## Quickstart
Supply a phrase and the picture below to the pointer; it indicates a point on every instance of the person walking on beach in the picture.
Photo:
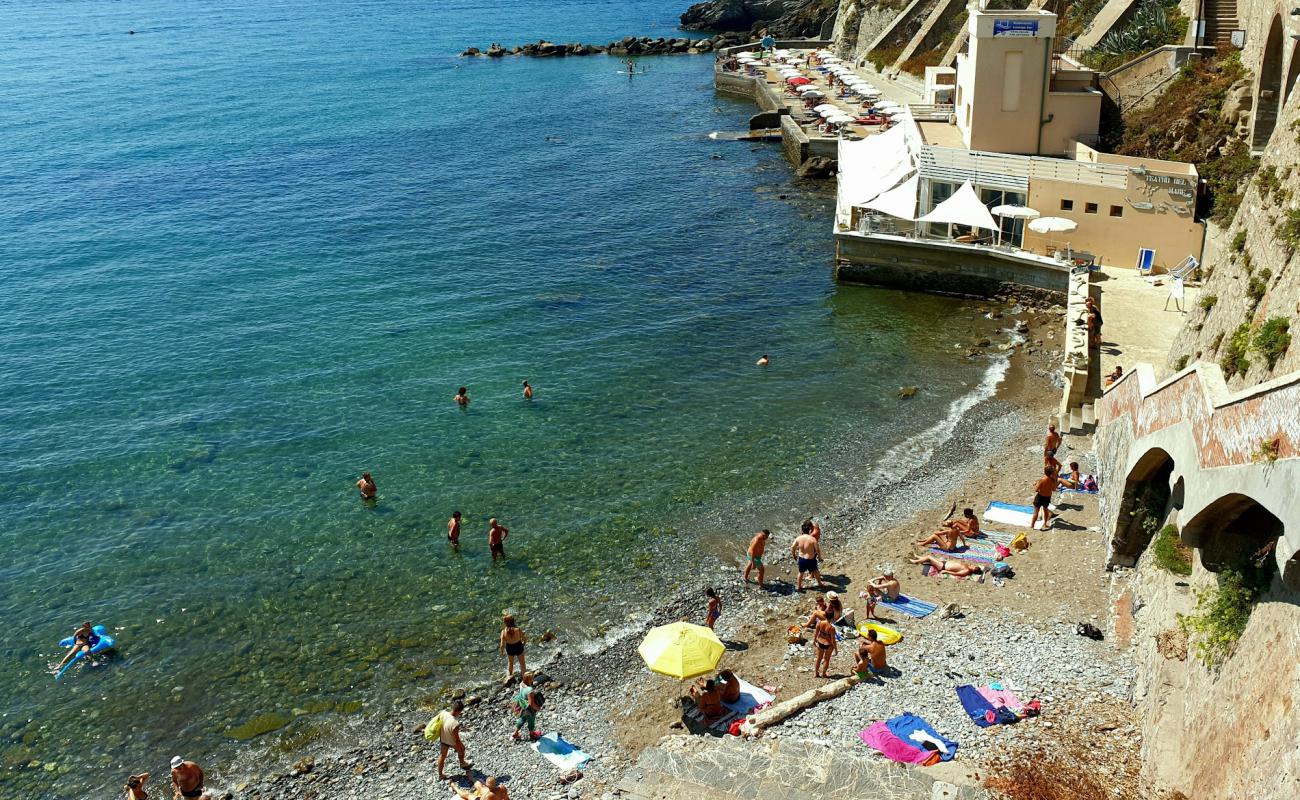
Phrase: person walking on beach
(1053, 441)
(453, 530)
(497, 538)
(757, 546)
(715, 607)
(528, 391)
(1043, 498)
(135, 787)
(462, 397)
(528, 701)
(824, 644)
(367, 487)
(806, 550)
(512, 645)
(449, 738)
(187, 778)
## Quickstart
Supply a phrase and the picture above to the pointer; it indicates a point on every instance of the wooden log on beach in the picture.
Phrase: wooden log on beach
(780, 712)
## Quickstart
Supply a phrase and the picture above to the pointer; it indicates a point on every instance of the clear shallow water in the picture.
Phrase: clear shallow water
(253, 250)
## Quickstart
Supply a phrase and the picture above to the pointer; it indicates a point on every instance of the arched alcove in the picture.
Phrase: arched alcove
(1143, 507)
(1292, 73)
(1234, 532)
(1269, 90)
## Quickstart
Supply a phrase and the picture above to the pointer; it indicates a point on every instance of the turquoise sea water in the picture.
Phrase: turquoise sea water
(254, 248)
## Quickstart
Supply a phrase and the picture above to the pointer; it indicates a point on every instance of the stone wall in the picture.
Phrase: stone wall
(1264, 255)
(859, 22)
(919, 266)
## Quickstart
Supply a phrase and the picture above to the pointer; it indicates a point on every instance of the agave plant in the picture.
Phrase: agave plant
(1150, 26)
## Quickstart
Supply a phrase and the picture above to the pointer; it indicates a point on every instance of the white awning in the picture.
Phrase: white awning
(871, 166)
(899, 201)
(963, 208)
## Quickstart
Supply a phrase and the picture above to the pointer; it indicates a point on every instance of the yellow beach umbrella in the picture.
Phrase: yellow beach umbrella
(681, 650)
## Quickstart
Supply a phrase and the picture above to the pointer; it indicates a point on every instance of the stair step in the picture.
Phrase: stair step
(1089, 414)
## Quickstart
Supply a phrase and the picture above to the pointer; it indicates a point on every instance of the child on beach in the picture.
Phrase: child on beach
(715, 607)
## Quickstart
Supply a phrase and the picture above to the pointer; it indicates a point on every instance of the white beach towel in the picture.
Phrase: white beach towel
(1008, 514)
(562, 754)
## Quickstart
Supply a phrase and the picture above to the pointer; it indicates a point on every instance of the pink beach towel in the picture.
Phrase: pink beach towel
(1002, 698)
(879, 738)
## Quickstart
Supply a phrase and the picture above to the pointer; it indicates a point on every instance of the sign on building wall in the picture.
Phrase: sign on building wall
(1163, 193)
(1015, 27)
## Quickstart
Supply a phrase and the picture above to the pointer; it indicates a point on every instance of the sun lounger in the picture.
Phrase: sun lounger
(1146, 260)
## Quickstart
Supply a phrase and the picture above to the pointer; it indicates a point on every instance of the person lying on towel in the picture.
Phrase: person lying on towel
(949, 566)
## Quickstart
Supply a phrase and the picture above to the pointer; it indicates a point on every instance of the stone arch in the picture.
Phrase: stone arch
(1269, 89)
(1143, 507)
(1292, 73)
(1230, 531)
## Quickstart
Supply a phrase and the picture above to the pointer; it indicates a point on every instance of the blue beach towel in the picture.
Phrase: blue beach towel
(981, 711)
(915, 731)
(559, 752)
(910, 606)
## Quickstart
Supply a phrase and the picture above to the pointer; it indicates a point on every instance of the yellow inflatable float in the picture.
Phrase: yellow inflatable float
(885, 634)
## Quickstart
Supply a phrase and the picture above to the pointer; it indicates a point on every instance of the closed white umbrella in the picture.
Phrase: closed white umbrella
(1052, 225)
(1015, 212)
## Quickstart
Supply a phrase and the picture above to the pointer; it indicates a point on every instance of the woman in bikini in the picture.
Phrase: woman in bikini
(950, 566)
(824, 643)
(715, 606)
(135, 787)
(512, 645)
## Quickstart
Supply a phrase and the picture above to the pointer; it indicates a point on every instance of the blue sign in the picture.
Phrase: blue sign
(1015, 27)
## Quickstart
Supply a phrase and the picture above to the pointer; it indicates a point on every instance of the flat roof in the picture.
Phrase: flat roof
(940, 134)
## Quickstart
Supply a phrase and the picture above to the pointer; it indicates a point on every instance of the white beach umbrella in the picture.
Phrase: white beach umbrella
(840, 119)
(884, 105)
(808, 91)
(746, 54)
(824, 107)
(781, 52)
(827, 113)
(1052, 225)
(1015, 212)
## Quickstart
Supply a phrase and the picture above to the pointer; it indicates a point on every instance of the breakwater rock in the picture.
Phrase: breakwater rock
(627, 46)
(782, 18)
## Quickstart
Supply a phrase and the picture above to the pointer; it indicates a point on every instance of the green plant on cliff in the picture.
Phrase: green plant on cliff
(1239, 241)
(1154, 24)
(1207, 301)
(1171, 554)
(1272, 339)
(1186, 124)
(1076, 18)
(1234, 361)
(1288, 230)
(1222, 613)
(1257, 287)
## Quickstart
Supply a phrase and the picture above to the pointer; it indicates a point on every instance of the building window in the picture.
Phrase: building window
(1067, 205)
(1011, 75)
(1117, 211)
(1090, 208)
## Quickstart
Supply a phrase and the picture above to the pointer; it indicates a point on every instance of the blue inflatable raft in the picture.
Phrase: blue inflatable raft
(100, 641)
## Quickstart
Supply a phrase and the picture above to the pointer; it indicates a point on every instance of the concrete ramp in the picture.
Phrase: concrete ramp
(941, 9)
(1110, 14)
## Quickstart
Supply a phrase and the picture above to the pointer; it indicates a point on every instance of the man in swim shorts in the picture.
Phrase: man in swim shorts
(453, 529)
(187, 778)
(1053, 441)
(367, 486)
(806, 550)
(497, 538)
(871, 657)
(948, 566)
(1043, 498)
(757, 546)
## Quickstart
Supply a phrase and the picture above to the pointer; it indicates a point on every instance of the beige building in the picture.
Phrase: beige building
(1014, 136)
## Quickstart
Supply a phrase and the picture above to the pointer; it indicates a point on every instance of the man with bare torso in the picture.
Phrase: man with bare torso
(367, 487)
(453, 530)
(951, 533)
(497, 538)
(1053, 441)
(187, 778)
(483, 790)
(806, 550)
(1043, 499)
(757, 546)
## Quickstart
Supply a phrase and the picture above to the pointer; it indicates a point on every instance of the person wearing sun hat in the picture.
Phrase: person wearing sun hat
(187, 778)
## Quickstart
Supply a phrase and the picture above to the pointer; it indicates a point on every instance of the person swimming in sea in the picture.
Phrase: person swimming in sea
(762, 362)
(462, 397)
(367, 487)
(528, 391)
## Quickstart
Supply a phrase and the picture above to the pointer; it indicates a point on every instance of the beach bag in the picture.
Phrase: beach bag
(1089, 483)
(433, 731)
(1020, 543)
(1003, 551)
(1002, 570)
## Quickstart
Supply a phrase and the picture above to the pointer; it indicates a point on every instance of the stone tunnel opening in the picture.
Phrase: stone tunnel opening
(1144, 506)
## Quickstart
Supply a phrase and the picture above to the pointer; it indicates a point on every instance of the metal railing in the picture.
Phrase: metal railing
(931, 112)
(1012, 172)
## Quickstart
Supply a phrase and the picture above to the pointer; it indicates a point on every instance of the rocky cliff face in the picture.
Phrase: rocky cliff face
(783, 18)
(1250, 307)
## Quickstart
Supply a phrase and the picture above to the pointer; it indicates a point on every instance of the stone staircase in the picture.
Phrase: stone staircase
(1220, 22)
(1080, 420)
(710, 768)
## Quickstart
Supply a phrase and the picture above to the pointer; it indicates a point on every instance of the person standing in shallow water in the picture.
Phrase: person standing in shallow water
(528, 391)
(497, 538)
(462, 397)
(512, 646)
(757, 546)
(367, 487)
(453, 530)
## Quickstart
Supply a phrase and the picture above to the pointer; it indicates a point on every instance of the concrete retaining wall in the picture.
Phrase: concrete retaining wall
(917, 266)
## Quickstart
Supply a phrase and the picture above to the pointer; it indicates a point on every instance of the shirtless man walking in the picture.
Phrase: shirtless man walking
(1043, 499)
(1052, 443)
(757, 546)
(497, 538)
(453, 530)
(806, 550)
(187, 778)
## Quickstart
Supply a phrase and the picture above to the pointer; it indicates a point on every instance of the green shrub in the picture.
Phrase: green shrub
(1288, 230)
(1218, 340)
(1171, 554)
(1207, 301)
(1222, 614)
(1258, 286)
(1234, 361)
(1155, 23)
(1239, 241)
(1272, 339)
(1180, 364)
(1269, 183)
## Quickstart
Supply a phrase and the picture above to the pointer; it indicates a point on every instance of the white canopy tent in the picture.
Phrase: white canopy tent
(900, 201)
(963, 208)
(870, 167)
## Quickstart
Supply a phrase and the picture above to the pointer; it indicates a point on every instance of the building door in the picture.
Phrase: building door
(1013, 230)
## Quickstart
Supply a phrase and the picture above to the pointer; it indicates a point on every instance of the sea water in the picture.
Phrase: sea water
(252, 250)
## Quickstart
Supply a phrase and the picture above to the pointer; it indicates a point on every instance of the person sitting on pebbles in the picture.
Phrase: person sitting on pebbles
(948, 566)
(488, 789)
(708, 699)
(730, 686)
(883, 585)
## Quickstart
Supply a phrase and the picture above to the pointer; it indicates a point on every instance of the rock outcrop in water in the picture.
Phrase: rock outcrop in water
(627, 46)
